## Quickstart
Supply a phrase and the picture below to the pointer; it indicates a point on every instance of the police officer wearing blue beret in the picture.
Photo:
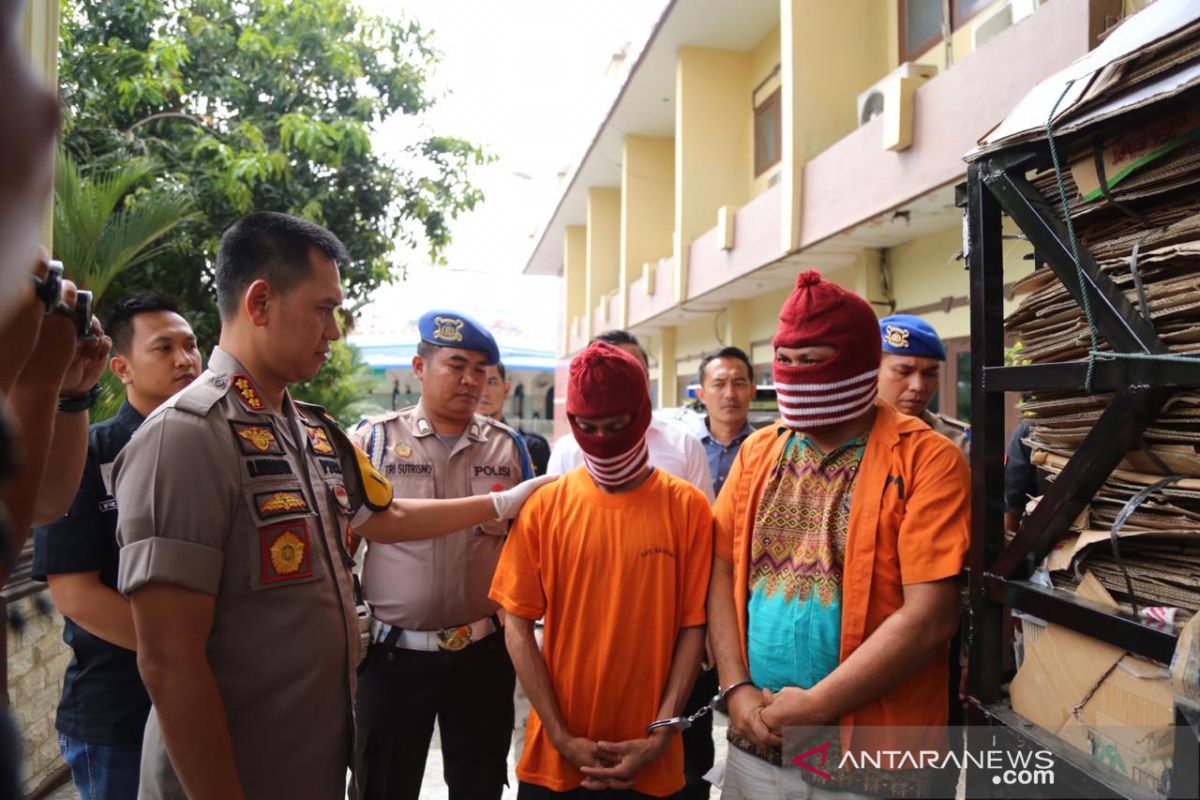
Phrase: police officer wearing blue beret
(437, 650)
(909, 373)
(911, 369)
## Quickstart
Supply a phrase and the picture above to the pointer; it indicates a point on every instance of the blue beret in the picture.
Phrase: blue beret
(452, 329)
(906, 335)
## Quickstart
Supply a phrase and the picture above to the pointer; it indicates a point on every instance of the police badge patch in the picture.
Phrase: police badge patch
(279, 503)
(318, 440)
(285, 552)
(897, 336)
(448, 329)
(256, 438)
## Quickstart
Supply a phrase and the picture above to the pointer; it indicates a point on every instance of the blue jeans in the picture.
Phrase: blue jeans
(102, 771)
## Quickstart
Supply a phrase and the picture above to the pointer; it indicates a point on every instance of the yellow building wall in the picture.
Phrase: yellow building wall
(764, 60)
(647, 207)
(574, 280)
(713, 129)
(603, 247)
(925, 272)
(694, 339)
(831, 51)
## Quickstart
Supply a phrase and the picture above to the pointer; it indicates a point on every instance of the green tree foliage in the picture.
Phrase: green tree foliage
(342, 386)
(262, 105)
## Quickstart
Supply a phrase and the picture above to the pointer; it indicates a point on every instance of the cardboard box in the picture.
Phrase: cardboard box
(1098, 698)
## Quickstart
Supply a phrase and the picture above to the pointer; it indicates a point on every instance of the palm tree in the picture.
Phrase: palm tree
(107, 223)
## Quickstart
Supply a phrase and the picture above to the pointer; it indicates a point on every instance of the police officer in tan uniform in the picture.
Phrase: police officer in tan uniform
(437, 648)
(236, 503)
(913, 355)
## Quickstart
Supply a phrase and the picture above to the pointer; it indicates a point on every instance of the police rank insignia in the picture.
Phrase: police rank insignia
(448, 329)
(247, 393)
(318, 440)
(256, 438)
(275, 504)
(403, 451)
(897, 336)
(285, 552)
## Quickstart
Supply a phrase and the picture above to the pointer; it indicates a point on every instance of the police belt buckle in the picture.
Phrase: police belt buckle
(455, 639)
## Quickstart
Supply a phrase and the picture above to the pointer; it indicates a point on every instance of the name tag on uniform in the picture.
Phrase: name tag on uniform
(408, 470)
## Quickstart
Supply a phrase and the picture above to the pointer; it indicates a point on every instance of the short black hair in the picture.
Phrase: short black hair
(120, 322)
(617, 338)
(503, 372)
(727, 352)
(425, 349)
(273, 247)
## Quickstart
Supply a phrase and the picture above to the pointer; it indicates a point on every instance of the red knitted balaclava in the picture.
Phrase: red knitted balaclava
(819, 396)
(605, 382)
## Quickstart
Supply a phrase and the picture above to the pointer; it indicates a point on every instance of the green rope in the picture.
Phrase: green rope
(1148, 356)
(1094, 352)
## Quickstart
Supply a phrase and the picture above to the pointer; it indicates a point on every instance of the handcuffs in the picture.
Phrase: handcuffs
(681, 724)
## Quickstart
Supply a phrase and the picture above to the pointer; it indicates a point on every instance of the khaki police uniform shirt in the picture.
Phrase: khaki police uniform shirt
(438, 583)
(953, 429)
(221, 496)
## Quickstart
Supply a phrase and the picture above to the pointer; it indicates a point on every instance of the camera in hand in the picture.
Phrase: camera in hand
(49, 288)
(83, 314)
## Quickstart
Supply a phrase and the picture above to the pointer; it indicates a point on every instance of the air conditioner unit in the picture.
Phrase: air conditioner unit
(1002, 19)
(892, 99)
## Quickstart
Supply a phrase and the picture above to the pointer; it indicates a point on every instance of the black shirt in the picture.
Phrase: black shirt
(539, 450)
(1020, 476)
(103, 699)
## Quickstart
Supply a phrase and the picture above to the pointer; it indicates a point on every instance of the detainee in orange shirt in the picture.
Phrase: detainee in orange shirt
(615, 557)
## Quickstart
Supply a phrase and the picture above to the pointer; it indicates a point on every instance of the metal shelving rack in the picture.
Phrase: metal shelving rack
(998, 570)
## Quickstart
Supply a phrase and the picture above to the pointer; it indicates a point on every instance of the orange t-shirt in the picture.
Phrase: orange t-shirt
(615, 577)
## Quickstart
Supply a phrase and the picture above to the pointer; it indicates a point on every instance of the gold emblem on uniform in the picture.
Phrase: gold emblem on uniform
(403, 451)
(897, 336)
(247, 393)
(284, 554)
(261, 438)
(448, 329)
(318, 440)
(281, 502)
(287, 553)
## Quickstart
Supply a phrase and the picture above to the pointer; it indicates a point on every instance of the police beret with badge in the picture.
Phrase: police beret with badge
(906, 335)
(451, 329)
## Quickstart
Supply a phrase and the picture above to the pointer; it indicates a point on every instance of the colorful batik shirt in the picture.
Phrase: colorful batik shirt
(796, 556)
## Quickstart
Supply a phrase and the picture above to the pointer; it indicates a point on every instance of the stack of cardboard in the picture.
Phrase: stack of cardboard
(1126, 124)
(1128, 134)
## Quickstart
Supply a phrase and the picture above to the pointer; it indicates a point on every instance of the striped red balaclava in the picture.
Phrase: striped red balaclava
(607, 382)
(817, 397)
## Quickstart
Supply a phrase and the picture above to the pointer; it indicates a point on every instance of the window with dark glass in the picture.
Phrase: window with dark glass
(768, 133)
(920, 26)
(921, 22)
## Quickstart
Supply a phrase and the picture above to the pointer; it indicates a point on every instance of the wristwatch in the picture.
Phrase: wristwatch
(718, 701)
(72, 405)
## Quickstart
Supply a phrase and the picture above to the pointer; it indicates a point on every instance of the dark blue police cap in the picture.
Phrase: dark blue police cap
(452, 329)
(906, 335)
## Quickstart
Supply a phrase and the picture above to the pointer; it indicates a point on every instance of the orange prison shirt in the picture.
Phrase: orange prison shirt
(615, 577)
(909, 523)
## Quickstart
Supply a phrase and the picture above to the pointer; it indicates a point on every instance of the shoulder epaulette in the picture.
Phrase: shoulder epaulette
(204, 393)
